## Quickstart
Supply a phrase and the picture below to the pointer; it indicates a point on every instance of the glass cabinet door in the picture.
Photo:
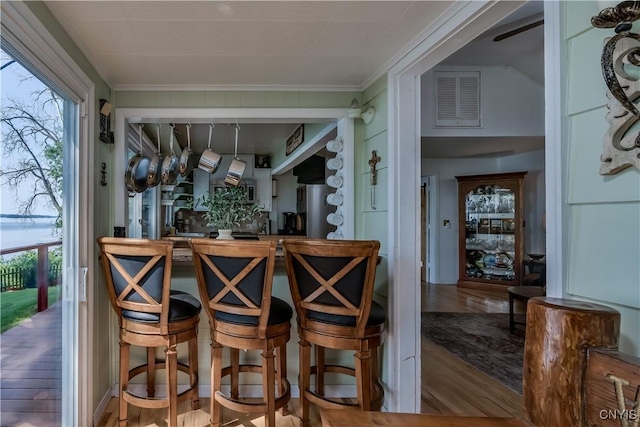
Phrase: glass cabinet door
(490, 233)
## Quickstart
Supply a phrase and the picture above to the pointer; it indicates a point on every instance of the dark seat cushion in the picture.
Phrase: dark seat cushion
(182, 306)
(377, 316)
(280, 312)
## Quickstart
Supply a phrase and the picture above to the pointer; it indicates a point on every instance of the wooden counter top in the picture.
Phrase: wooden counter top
(182, 252)
(349, 418)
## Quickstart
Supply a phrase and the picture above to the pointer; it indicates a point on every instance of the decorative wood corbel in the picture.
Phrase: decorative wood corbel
(621, 146)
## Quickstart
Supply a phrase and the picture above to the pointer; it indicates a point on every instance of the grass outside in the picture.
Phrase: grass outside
(15, 306)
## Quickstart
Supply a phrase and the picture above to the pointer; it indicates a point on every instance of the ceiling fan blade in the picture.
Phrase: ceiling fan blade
(518, 30)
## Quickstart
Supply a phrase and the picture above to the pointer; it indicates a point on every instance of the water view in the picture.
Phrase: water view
(21, 232)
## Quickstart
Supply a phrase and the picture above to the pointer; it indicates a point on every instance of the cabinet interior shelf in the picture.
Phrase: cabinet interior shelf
(489, 231)
(490, 210)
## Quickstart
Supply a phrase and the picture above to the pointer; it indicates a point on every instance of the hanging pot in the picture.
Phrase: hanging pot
(135, 177)
(170, 164)
(210, 161)
(186, 162)
(155, 164)
(237, 168)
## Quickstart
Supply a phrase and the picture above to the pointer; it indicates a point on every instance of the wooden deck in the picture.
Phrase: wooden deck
(31, 371)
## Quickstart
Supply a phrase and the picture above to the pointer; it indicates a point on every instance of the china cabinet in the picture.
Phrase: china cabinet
(490, 223)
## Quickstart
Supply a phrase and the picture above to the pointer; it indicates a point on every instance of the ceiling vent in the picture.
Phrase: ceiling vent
(457, 98)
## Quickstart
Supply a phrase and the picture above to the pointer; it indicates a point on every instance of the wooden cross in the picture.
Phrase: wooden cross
(372, 164)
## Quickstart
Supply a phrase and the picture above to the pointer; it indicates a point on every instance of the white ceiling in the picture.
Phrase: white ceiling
(341, 44)
(336, 45)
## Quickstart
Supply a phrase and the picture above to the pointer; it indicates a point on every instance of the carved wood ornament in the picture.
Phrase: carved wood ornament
(621, 145)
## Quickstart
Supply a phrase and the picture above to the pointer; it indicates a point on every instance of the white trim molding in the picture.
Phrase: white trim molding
(403, 86)
(556, 131)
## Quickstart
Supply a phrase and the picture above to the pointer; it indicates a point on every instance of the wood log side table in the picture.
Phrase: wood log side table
(521, 293)
(559, 331)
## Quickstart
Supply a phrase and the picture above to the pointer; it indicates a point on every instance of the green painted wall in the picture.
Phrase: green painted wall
(603, 213)
(103, 206)
(373, 223)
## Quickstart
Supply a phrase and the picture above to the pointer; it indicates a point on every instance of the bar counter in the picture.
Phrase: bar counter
(182, 251)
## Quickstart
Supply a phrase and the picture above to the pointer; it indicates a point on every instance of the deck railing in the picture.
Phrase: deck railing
(43, 271)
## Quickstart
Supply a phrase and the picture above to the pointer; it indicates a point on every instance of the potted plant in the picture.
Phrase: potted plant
(227, 207)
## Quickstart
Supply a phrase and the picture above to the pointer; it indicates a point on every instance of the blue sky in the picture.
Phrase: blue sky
(12, 86)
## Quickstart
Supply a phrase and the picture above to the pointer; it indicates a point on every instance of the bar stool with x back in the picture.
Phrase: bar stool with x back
(235, 280)
(331, 284)
(138, 275)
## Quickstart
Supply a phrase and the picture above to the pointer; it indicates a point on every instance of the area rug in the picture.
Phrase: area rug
(482, 340)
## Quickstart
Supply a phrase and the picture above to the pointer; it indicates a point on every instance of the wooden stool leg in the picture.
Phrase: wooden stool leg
(268, 385)
(304, 380)
(374, 366)
(124, 382)
(151, 371)
(193, 371)
(281, 356)
(235, 369)
(171, 365)
(320, 370)
(216, 379)
(363, 379)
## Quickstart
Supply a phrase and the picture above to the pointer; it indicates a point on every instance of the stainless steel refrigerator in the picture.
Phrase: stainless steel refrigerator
(312, 204)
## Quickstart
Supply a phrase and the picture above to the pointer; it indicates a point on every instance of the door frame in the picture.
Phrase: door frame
(25, 33)
(403, 86)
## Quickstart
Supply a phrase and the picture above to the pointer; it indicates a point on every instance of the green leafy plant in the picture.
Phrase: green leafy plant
(227, 207)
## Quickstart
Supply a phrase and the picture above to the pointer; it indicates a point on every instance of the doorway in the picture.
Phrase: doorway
(403, 85)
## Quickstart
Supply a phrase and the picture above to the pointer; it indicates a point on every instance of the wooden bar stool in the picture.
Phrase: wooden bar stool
(331, 283)
(235, 280)
(138, 275)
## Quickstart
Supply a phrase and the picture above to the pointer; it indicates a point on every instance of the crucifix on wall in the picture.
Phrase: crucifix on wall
(374, 177)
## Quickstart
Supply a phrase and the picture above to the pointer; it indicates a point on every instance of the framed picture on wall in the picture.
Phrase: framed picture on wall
(295, 139)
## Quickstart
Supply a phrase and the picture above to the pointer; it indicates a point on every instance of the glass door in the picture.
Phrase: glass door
(490, 233)
(40, 363)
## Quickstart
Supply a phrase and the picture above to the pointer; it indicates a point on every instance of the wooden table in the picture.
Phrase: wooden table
(357, 418)
(521, 293)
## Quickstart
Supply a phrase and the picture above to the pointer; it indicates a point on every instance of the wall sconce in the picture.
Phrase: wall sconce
(621, 147)
(356, 112)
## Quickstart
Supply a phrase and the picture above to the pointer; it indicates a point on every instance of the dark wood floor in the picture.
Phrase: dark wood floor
(31, 371)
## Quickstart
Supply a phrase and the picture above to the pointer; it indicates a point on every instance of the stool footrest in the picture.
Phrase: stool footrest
(324, 402)
(251, 407)
(335, 369)
(253, 369)
(158, 402)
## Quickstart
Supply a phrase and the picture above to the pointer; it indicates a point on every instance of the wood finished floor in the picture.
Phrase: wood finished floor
(449, 385)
